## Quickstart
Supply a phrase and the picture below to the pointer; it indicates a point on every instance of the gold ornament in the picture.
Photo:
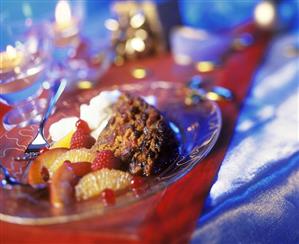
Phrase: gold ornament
(135, 31)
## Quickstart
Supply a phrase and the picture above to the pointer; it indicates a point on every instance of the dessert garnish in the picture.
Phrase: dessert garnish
(108, 197)
(42, 164)
(62, 191)
(95, 182)
(81, 137)
(105, 159)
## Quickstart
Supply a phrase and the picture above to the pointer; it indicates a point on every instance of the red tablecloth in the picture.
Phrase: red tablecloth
(176, 210)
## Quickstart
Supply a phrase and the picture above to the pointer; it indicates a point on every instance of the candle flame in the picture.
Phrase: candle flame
(11, 52)
(10, 59)
(264, 14)
(63, 13)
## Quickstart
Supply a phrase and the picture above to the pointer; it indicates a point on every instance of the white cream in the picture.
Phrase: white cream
(99, 108)
(62, 127)
(97, 114)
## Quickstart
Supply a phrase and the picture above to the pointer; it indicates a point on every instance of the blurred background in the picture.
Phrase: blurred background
(109, 20)
(213, 15)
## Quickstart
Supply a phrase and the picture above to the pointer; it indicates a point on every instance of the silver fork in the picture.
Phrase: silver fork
(40, 141)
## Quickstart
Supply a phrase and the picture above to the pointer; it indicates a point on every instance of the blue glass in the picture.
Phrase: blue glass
(21, 95)
(30, 43)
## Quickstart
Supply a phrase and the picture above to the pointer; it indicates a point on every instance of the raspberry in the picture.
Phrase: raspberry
(108, 196)
(105, 159)
(81, 124)
(81, 139)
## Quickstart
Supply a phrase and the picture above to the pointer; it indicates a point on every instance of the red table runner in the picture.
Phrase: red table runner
(176, 210)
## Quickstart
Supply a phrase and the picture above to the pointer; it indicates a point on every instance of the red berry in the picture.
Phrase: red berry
(105, 159)
(108, 197)
(68, 163)
(137, 182)
(81, 124)
(138, 185)
(81, 139)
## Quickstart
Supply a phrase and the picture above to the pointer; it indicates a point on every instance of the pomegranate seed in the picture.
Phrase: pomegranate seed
(81, 124)
(137, 182)
(68, 163)
(108, 196)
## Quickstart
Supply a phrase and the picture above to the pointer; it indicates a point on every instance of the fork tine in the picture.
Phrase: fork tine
(39, 141)
(27, 156)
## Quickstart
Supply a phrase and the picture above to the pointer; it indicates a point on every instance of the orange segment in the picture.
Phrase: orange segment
(74, 155)
(94, 183)
(62, 190)
(43, 160)
(65, 141)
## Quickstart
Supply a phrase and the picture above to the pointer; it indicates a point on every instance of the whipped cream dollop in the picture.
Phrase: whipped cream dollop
(62, 127)
(97, 114)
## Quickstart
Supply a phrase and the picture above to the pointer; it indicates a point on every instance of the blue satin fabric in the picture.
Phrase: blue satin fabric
(255, 198)
(265, 212)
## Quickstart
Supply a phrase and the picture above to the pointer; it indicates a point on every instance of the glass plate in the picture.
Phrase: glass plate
(197, 128)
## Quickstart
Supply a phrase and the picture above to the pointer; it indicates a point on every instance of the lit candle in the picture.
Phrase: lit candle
(65, 26)
(10, 59)
(63, 16)
(265, 14)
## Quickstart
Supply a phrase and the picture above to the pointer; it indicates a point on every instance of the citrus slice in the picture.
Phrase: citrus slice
(64, 141)
(74, 155)
(94, 183)
(40, 166)
(62, 187)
